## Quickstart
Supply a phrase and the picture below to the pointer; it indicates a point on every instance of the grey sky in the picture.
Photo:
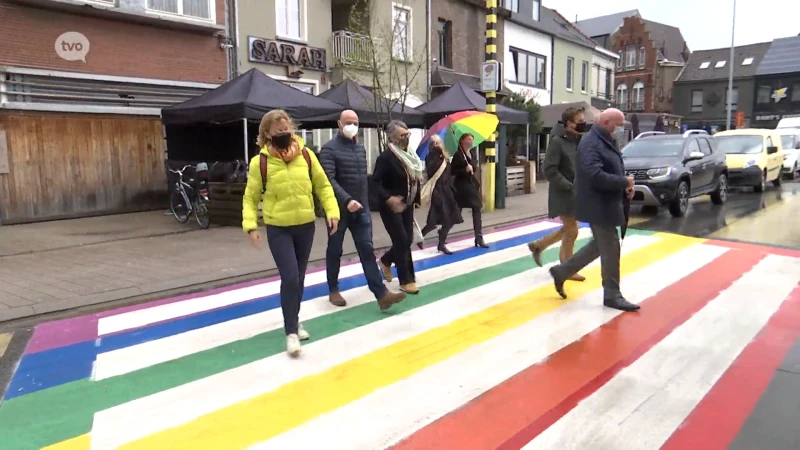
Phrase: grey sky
(705, 24)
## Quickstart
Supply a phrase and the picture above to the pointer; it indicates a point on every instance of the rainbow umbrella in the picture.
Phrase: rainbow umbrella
(450, 128)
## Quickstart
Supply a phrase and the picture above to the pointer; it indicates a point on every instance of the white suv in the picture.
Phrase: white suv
(790, 138)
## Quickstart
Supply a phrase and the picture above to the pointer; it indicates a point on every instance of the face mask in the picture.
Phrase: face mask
(281, 141)
(580, 127)
(403, 142)
(618, 133)
(350, 131)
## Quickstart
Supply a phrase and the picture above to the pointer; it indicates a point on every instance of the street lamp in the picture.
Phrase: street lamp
(730, 69)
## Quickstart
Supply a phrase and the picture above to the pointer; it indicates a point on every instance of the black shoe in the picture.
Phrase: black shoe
(420, 244)
(620, 303)
(444, 249)
(479, 242)
(559, 283)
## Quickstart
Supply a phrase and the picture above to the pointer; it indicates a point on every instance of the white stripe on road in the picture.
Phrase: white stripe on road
(184, 403)
(389, 415)
(129, 359)
(645, 403)
(143, 317)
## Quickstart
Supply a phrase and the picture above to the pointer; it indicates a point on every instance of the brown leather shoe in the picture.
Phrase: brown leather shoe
(385, 270)
(577, 277)
(389, 299)
(536, 252)
(336, 299)
(409, 288)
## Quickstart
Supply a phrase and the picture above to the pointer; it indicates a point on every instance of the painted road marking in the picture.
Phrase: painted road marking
(245, 423)
(644, 404)
(136, 319)
(480, 368)
(5, 339)
(129, 359)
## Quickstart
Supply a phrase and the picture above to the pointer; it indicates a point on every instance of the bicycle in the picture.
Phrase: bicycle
(187, 197)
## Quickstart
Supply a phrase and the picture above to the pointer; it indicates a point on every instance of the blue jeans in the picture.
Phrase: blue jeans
(360, 225)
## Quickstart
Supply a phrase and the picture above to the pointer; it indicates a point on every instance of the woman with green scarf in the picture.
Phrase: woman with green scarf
(396, 182)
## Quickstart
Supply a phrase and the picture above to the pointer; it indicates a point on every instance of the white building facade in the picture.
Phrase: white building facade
(604, 65)
(528, 67)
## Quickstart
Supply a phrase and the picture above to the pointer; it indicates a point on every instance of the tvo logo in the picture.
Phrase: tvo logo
(72, 46)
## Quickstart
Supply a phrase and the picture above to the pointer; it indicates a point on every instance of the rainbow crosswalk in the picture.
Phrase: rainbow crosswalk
(487, 356)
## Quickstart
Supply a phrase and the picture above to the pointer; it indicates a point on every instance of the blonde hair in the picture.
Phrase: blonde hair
(270, 119)
(436, 141)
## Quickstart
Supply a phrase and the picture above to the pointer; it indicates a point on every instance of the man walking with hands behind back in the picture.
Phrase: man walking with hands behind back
(345, 162)
(601, 186)
(559, 167)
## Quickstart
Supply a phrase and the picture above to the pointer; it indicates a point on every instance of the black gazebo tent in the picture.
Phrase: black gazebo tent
(461, 97)
(248, 96)
(372, 109)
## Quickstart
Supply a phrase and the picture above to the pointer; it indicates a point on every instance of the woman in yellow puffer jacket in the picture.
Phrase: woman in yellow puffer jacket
(288, 211)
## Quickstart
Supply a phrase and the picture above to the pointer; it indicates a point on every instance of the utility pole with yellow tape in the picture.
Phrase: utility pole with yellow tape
(491, 75)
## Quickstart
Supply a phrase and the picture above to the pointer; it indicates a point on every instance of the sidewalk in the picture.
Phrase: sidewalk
(125, 259)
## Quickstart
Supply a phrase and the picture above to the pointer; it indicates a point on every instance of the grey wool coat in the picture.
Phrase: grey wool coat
(559, 169)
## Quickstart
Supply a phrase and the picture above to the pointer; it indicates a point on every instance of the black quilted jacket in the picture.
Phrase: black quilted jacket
(345, 162)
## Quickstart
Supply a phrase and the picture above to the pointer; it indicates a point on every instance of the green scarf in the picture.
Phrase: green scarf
(414, 166)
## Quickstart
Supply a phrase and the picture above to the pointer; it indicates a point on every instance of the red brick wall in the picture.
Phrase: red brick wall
(633, 32)
(28, 34)
(469, 42)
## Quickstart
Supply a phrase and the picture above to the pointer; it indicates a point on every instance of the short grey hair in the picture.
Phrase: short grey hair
(393, 127)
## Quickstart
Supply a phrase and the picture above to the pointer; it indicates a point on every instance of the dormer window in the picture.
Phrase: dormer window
(747, 61)
(719, 64)
(705, 65)
(537, 5)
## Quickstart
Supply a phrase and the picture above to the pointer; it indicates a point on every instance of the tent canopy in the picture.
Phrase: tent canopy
(373, 110)
(461, 97)
(248, 96)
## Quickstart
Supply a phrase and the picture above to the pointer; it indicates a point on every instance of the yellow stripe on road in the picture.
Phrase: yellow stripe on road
(5, 339)
(268, 415)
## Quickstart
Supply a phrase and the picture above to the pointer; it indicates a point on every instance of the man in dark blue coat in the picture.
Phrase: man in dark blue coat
(601, 186)
(345, 162)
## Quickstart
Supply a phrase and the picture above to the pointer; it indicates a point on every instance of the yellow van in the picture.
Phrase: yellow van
(754, 156)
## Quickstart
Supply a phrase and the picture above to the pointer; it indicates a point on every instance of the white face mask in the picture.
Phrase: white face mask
(619, 132)
(350, 131)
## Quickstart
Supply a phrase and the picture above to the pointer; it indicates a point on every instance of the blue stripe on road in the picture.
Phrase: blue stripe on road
(54, 367)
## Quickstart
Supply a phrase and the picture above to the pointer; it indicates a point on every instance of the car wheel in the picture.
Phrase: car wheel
(777, 181)
(720, 196)
(763, 185)
(680, 204)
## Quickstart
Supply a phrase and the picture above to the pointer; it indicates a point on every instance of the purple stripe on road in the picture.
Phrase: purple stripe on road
(70, 331)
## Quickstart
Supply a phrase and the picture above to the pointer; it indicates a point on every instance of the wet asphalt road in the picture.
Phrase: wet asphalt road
(769, 218)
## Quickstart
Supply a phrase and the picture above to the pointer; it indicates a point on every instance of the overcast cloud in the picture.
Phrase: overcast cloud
(705, 24)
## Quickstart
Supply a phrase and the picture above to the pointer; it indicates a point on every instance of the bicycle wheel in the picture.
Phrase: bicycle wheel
(201, 212)
(178, 206)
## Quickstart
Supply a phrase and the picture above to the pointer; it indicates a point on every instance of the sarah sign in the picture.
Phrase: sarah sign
(287, 54)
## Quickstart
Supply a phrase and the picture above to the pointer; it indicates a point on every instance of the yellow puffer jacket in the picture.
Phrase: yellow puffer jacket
(288, 200)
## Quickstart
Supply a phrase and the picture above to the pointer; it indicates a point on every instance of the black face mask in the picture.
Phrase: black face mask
(580, 127)
(281, 141)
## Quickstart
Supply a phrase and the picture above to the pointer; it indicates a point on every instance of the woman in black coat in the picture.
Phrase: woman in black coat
(468, 189)
(396, 182)
(444, 209)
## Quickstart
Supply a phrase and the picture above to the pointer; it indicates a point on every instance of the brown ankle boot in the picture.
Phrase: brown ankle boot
(536, 252)
(389, 299)
(409, 288)
(336, 299)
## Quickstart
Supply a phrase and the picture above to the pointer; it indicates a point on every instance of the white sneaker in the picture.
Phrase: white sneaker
(302, 333)
(292, 345)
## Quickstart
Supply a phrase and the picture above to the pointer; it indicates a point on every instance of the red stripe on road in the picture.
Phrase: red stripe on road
(742, 385)
(514, 412)
(780, 251)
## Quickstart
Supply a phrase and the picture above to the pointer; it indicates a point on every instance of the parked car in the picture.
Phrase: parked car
(790, 140)
(755, 156)
(669, 169)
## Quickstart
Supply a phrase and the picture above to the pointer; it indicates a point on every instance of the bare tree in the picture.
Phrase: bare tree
(386, 60)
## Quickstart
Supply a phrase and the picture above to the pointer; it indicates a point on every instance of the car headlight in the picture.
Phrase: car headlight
(752, 162)
(661, 172)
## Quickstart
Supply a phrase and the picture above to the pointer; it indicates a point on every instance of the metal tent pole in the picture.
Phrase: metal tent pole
(246, 153)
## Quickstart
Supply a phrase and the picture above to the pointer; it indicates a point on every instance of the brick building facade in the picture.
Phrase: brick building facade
(84, 137)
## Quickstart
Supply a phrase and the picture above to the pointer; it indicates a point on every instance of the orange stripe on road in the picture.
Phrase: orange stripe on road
(514, 412)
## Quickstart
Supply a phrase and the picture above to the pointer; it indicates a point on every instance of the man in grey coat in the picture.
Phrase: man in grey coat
(601, 186)
(559, 167)
(345, 162)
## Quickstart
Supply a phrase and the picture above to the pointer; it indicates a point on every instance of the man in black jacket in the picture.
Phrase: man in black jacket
(345, 162)
(601, 186)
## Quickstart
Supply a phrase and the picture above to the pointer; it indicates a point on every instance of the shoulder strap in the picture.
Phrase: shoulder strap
(307, 157)
(264, 164)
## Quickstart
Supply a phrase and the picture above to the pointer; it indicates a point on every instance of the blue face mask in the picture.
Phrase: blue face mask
(618, 133)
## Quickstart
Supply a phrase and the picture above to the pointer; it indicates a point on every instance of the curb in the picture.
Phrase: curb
(26, 318)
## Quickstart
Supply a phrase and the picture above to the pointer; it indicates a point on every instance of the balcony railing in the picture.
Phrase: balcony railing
(623, 105)
(603, 95)
(353, 49)
(637, 106)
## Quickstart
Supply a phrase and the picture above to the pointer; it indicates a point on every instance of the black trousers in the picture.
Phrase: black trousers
(443, 232)
(604, 245)
(400, 227)
(291, 248)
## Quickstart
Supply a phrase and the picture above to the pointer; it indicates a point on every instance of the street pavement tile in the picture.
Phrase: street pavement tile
(486, 356)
